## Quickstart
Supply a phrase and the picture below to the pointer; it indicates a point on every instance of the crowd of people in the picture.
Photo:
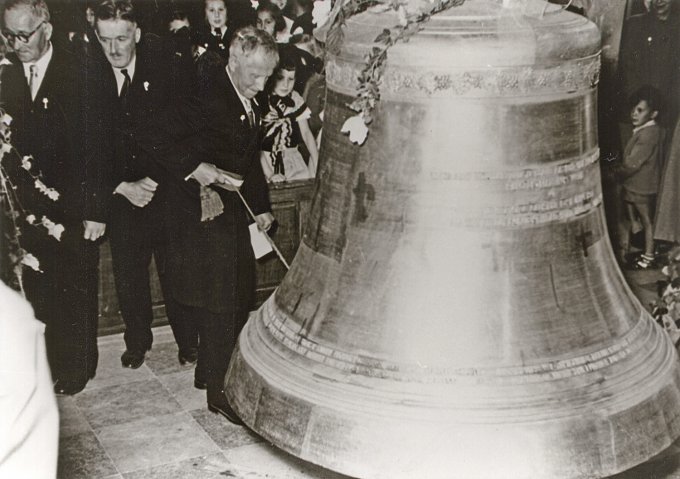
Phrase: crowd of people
(147, 122)
(146, 134)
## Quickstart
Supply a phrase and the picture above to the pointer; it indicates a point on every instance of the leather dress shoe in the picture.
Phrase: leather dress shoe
(132, 359)
(68, 388)
(198, 384)
(220, 405)
(188, 356)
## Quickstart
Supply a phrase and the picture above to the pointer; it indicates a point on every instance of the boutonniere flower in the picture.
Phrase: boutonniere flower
(45, 101)
(243, 118)
(146, 86)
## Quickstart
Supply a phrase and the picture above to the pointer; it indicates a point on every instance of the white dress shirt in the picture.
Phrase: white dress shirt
(118, 73)
(41, 65)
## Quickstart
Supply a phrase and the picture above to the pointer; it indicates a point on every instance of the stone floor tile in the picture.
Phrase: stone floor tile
(71, 419)
(163, 334)
(154, 441)
(110, 372)
(82, 456)
(126, 402)
(269, 461)
(181, 386)
(162, 359)
(225, 434)
(213, 466)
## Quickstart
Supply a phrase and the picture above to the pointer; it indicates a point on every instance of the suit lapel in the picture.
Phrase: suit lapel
(50, 79)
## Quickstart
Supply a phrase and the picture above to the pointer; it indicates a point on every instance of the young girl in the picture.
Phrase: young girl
(215, 36)
(271, 20)
(285, 125)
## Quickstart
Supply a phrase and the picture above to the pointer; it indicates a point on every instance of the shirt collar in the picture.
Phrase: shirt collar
(246, 101)
(649, 123)
(42, 62)
(130, 68)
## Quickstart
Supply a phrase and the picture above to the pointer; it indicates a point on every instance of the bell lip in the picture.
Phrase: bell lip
(260, 383)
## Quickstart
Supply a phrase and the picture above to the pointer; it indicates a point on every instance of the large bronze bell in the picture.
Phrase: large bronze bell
(455, 309)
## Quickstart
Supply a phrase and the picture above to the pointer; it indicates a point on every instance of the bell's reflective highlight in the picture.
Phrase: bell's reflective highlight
(455, 309)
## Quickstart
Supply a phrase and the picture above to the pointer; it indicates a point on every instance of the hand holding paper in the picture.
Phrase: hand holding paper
(228, 180)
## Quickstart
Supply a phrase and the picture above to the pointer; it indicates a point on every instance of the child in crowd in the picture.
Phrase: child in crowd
(284, 121)
(283, 8)
(216, 35)
(642, 160)
(270, 19)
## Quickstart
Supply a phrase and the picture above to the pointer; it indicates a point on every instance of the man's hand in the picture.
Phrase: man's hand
(93, 230)
(264, 221)
(207, 174)
(139, 192)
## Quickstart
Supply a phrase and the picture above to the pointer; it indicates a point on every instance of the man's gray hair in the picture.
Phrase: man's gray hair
(38, 7)
(248, 39)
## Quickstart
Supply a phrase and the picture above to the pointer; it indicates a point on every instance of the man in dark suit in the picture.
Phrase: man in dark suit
(143, 77)
(46, 91)
(211, 266)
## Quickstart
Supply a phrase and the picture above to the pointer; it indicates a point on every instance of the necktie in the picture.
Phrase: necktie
(218, 32)
(126, 84)
(33, 80)
(251, 117)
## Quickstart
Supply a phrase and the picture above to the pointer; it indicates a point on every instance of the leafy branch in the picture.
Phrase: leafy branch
(12, 164)
(369, 79)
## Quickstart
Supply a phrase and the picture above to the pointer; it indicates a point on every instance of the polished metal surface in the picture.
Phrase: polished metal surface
(455, 309)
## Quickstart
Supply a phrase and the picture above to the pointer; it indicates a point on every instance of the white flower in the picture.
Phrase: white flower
(51, 193)
(5, 148)
(356, 128)
(321, 11)
(26, 162)
(243, 118)
(255, 4)
(40, 186)
(31, 261)
(146, 86)
(45, 101)
(30, 219)
(401, 13)
(53, 229)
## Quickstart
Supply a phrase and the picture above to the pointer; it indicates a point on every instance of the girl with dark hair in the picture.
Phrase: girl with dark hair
(285, 127)
(270, 19)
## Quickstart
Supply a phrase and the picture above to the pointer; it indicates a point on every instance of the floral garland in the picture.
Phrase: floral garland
(12, 208)
(411, 21)
(666, 311)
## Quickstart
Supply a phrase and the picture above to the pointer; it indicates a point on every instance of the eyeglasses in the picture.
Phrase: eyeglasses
(22, 37)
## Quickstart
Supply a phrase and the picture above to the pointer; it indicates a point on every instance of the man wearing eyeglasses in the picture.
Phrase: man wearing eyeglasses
(45, 92)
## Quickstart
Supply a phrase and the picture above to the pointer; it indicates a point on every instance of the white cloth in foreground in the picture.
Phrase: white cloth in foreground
(29, 419)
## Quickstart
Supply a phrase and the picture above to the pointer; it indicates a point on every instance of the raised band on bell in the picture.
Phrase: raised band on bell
(455, 308)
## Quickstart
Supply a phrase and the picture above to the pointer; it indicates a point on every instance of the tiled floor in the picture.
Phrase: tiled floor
(151, 423)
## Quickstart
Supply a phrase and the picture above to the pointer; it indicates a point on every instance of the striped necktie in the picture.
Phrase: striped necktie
(33, 80)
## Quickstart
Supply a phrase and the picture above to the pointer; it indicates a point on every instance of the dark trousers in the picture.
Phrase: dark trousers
(136, 235)
(218, 333)
(64, 297)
